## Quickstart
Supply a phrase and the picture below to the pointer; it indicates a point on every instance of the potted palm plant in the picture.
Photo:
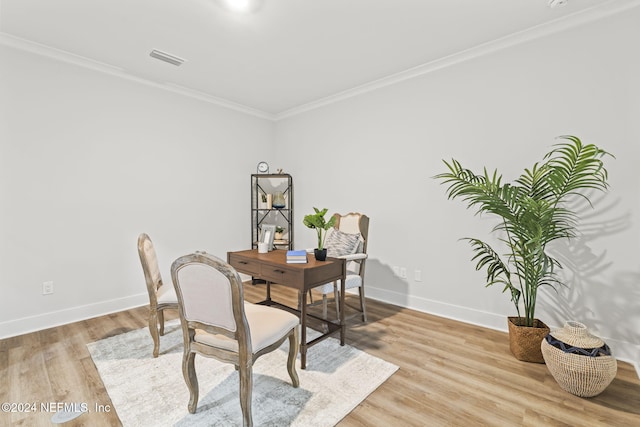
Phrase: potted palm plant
(532, 211)
(317, 222)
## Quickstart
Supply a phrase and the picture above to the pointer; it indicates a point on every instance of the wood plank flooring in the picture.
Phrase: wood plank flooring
(451, 374)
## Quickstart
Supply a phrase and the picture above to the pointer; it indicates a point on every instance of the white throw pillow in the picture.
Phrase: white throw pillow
(340, 244)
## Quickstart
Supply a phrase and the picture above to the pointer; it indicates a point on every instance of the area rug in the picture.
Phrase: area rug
(152, 392)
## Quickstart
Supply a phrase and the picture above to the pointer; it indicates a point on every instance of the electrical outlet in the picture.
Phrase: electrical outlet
(396, 270)
(417, 276)
(403, 273)
(47, 288)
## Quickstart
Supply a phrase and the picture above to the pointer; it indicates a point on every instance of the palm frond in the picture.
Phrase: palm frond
(575, 167)
(484, 192)
(532, 212)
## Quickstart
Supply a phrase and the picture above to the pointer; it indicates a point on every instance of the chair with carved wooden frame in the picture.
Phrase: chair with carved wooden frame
(218, 323)
(354, 226)
(161, 297)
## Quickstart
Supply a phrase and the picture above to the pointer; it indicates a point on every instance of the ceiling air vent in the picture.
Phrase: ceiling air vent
(557, 3)
(166, 57)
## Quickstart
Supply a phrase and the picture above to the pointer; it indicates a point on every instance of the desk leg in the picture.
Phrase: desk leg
(268, 292)
(302, 298)
(343, 325)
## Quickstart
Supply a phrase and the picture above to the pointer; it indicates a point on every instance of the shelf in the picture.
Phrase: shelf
(270, 184)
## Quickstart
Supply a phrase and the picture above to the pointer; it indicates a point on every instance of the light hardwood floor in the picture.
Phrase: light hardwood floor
(451, 374)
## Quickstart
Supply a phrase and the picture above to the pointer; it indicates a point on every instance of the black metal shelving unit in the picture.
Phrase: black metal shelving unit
(265, 184)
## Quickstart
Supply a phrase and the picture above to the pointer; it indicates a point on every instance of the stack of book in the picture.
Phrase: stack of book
(296, 257)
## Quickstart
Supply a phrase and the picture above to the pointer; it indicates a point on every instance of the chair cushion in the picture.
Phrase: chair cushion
(266, 325)
(166, 295)
(353, 281)
(340, 244)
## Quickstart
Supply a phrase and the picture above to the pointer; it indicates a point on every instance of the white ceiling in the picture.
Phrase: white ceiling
(286, 54)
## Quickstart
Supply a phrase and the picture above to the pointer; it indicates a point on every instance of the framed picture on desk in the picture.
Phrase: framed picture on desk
(268, 231)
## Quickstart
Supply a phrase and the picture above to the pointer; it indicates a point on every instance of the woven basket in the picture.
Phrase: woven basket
(581, 363)
(524, 342)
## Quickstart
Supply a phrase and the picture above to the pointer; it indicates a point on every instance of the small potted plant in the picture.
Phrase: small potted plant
(279, 231)
(317, 222)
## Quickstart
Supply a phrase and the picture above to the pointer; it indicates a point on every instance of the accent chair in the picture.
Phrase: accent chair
(218, 323)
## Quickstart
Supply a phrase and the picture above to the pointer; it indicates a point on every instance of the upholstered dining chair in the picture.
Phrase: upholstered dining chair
(218, 323)
(161, 296)
(348, 239)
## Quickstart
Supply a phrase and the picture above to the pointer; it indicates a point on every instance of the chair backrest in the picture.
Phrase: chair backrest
(210, 296)
(354, 223)
(150, 267)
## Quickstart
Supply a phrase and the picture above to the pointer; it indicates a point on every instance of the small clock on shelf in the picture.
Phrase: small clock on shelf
(263, 167)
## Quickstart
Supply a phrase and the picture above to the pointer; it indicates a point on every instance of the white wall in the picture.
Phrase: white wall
(377, 153)
(87, 162)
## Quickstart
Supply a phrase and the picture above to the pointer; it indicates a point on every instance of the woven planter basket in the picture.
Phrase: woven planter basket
(581, 363)
(524, 341)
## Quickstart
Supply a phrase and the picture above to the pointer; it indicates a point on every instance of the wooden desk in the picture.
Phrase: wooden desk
(273, 268)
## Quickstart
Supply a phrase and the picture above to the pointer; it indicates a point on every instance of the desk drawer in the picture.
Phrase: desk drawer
(282, 275)
(244, 265)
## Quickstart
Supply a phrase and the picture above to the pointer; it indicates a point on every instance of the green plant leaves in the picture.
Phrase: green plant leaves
(532, 212)
(317, 222)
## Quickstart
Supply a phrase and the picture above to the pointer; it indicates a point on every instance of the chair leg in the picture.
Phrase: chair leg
(363, 305)
(246, 388)
(161, 321)
(291, 360)
(153, 330)
(190, 378)
(336, 297)
(324, 306)
(325, 328)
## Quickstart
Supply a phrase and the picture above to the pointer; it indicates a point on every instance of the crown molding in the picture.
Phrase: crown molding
(70, 58)
(583, 17)
(586, 16)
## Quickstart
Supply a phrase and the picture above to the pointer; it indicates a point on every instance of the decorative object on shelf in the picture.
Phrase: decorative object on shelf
(580, 362)
(262, 204)
(279, 171)
(268, 232)
(536, 209)
(317, 222)
(279, 231)
(263, 167)
(278, 200)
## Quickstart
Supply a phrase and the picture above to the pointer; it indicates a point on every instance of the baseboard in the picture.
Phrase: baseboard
(437, 308)
(623, 351)
(51, 319)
